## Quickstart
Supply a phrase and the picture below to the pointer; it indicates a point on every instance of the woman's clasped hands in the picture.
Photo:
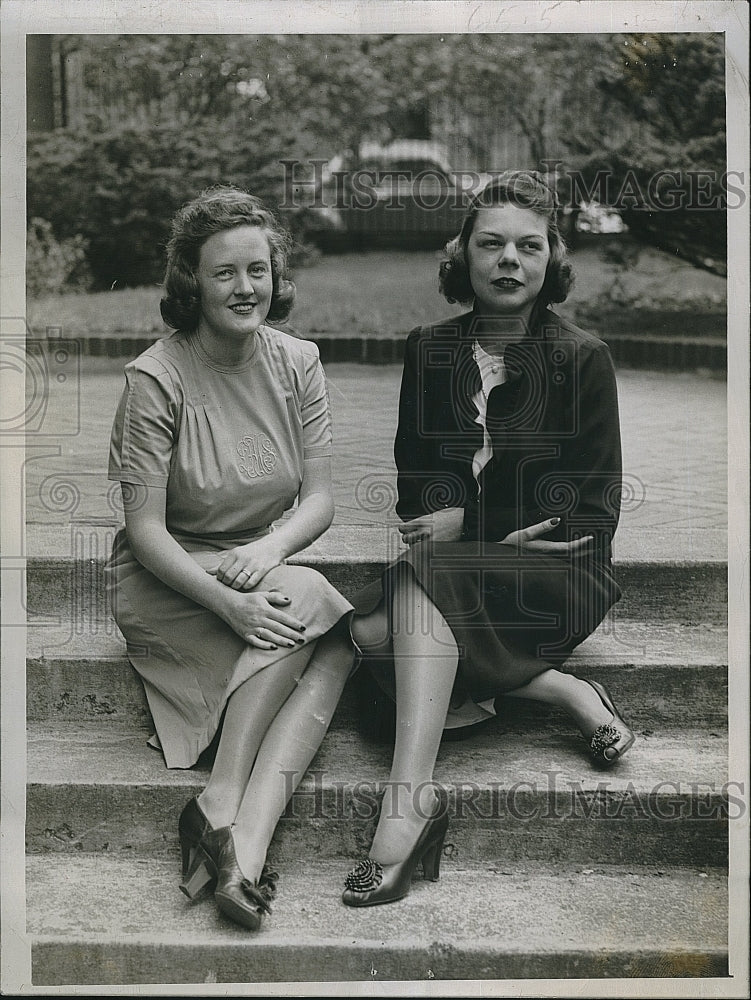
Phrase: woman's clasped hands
(257, 617)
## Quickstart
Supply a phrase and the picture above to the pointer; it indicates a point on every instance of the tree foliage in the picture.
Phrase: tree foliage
(169, 114)
(119, 189)
(672, 84)
(671, 89)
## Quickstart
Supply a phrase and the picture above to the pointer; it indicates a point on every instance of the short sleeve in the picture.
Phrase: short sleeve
(316, 411)
(143, 433)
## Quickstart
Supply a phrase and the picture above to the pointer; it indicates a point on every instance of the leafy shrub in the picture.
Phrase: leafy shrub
(120, 189)
(52, 265)
(694, 228)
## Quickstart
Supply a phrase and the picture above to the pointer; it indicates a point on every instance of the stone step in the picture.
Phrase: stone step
(662, 675)
(98, 919)
(531, 795)
(688, 592)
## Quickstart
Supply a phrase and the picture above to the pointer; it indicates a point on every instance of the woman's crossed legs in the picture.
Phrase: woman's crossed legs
(425, 663)
(274, 724)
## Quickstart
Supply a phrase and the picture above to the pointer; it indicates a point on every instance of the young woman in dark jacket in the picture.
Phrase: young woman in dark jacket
(509, 476)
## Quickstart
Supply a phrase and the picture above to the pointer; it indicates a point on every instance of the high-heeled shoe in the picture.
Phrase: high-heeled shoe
(609, 742)
(237, 897)
(370, 883)
(192, 827)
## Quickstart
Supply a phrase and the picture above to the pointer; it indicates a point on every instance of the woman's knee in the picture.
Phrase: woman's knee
(372, 632)
(311, 579)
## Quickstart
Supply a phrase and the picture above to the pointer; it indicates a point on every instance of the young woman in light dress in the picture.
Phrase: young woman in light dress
(222, 427)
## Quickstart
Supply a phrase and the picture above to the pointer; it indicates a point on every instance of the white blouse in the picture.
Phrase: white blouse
(493, 373)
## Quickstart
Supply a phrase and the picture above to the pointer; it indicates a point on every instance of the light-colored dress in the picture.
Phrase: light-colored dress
(227, 443)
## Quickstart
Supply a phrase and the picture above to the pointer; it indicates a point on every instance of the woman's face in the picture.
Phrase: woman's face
(508, 256)
(234, 281)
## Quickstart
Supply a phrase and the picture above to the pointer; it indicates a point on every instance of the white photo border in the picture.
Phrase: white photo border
(341, 17)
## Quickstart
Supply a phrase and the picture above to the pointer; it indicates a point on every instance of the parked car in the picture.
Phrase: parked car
(403, 193)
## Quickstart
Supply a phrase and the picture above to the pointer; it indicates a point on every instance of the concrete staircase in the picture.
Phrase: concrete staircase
(553, 868)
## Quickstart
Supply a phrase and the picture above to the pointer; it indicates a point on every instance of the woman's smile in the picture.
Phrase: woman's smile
(243, 308)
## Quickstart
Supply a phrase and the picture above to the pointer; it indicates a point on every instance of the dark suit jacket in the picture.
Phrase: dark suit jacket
(554, 427)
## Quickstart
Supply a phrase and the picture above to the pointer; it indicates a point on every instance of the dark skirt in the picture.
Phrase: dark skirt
(513, 613)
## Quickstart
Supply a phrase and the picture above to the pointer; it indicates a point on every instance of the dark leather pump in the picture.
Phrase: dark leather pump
(370, 883)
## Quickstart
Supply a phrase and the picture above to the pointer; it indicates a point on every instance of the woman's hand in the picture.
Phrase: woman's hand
(260, 620)
(441, 526)
(531, 538)
(243, 567)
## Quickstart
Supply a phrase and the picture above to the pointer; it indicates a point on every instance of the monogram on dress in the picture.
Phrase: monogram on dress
(257, 455)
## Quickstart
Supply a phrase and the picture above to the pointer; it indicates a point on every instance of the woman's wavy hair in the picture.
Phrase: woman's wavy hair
(214, 210)
(527, 189)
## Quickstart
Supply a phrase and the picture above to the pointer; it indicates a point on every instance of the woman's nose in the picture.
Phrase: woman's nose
(243, 284)
(509, 254)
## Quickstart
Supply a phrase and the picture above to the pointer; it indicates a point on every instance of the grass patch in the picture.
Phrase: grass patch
(127, 310)
(369, 293)
(383, 293)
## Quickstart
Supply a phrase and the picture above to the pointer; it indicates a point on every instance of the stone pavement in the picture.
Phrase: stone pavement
(674, 445)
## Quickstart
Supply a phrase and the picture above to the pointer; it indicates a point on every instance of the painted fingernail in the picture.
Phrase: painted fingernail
(300, 640)
(555, 520)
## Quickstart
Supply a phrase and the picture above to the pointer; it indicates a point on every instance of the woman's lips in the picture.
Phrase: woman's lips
(507, 283)
(243, 307)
